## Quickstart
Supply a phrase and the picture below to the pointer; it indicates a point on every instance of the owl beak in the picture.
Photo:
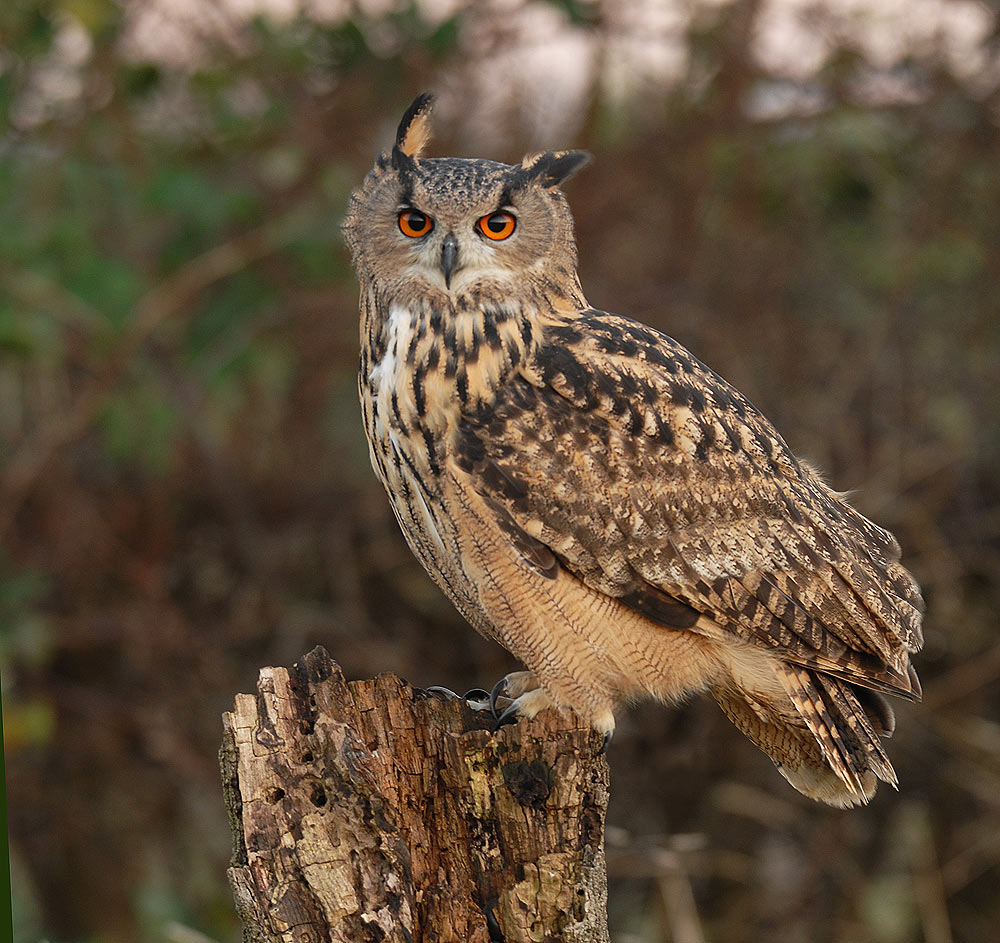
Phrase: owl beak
(449, 258)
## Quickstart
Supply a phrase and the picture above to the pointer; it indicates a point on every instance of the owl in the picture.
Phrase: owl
(597, 500)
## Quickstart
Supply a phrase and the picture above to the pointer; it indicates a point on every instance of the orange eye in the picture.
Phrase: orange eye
(498, 225)
(415, 224)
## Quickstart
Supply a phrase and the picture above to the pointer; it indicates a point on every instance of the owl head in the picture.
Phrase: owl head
(451, 224)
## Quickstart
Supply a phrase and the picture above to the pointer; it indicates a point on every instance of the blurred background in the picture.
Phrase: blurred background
(807, 194)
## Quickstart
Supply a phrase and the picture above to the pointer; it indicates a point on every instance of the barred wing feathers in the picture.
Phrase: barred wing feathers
(653, 480)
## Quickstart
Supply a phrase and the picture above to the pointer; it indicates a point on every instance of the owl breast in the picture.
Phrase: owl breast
(399, 422)
(422, 366)
(394, 407)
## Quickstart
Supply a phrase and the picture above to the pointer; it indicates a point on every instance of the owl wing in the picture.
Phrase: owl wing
(652, 480)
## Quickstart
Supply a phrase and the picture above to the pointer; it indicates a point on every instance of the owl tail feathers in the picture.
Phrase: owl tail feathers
(846, 724)
(831, 751)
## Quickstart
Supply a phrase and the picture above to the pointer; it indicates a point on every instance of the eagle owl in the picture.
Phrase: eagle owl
(593, 497)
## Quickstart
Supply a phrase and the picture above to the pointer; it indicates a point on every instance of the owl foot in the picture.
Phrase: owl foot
(511, 687)
(476, 698)
(525, 705)
(520, 695)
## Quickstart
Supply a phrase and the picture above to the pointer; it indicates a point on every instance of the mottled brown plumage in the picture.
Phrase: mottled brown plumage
(597, 500)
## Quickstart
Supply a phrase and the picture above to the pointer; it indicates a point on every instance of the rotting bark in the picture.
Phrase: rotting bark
(372, 811)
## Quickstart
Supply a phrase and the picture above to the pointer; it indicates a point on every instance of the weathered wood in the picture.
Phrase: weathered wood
(372, 811)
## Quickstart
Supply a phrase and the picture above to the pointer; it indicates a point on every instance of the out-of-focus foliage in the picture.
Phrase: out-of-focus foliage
(184, 486)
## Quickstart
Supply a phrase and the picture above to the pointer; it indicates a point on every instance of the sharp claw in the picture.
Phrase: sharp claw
(440, 689)
(606, 743)
(498, 689)
(508, 716)
(477, 698)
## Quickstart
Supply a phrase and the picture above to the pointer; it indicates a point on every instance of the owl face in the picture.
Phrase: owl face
(451, 224)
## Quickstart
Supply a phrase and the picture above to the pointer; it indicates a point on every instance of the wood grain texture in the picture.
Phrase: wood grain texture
(372, 811)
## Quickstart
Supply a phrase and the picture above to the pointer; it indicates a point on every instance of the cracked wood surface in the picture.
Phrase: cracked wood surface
(371, 811)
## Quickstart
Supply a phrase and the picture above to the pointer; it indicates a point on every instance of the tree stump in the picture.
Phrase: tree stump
(373, 811)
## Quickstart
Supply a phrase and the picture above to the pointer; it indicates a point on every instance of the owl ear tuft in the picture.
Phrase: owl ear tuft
(414, 131)
(553, 168)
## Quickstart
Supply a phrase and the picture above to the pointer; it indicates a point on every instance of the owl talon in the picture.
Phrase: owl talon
(495, 694)
(476, 698)
(508, 715)
(606, 742)
(437, 689)
(524, 697)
